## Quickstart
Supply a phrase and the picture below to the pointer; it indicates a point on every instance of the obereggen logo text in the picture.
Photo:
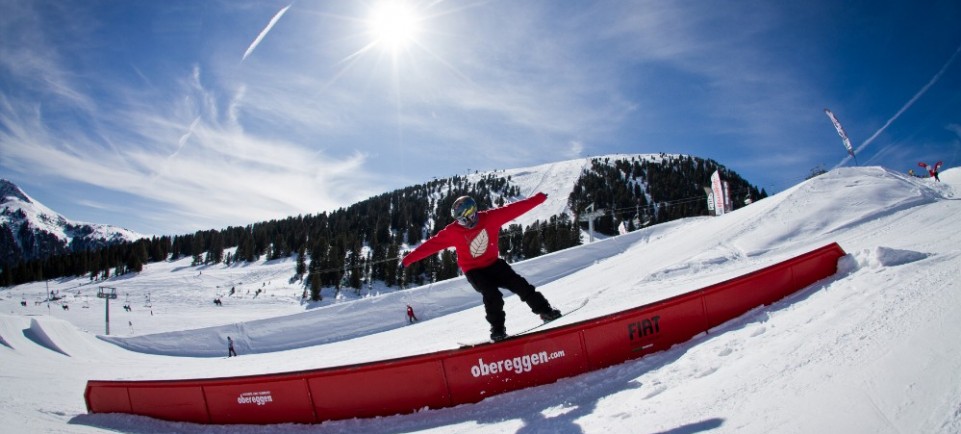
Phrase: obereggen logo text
(517, 365)
(259, 398)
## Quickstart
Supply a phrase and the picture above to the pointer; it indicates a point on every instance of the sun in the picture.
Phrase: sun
(393, 25)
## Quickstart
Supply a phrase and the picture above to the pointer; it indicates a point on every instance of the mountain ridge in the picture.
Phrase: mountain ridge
(634, 190)
(30, 230)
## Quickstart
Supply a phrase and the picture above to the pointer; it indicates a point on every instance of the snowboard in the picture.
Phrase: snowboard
(525, 331)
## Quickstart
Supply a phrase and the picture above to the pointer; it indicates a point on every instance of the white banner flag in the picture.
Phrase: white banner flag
(844, 135)
(718, 188)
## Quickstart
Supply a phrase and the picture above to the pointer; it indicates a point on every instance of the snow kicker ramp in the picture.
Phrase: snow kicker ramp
(42, 336)
(10, 327)
(454, 377)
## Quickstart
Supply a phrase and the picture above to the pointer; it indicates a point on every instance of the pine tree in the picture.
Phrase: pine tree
(301, 263)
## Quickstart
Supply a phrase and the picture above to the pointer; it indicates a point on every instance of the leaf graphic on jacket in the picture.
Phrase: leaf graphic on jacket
(479, 245)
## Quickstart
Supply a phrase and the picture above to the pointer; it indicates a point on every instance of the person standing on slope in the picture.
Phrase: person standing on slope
(410, 315)
(474, 235)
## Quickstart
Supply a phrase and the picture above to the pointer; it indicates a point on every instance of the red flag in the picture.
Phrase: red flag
(932, 170)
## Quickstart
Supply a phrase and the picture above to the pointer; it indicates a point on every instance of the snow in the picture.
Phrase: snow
(873, 349)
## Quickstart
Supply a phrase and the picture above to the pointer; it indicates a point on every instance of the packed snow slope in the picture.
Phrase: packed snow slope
(872, 349)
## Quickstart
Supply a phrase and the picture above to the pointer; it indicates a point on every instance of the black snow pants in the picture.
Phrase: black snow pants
(488, 280)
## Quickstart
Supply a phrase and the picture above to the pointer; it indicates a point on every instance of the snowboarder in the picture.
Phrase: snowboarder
(410, 315)
(230, 347)
(474, 235)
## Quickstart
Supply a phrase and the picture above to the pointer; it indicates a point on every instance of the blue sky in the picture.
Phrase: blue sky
(167, 117)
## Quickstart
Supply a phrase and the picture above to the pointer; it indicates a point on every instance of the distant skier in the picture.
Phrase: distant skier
(230, 347)
(474, 234)
(410, 315)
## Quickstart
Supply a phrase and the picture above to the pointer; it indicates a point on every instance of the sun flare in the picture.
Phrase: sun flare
(393, 25)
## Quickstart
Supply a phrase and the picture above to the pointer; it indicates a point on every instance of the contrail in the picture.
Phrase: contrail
(906, 106)
(263, 32)
(185, 137)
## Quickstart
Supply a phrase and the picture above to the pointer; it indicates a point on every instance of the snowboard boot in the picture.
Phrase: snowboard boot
(551, 315)
(498, 333)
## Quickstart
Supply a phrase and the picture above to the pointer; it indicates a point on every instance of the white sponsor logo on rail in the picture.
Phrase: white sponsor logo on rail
(518, 365)
(259, 398)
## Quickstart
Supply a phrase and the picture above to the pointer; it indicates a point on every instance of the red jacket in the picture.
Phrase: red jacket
(476, 247)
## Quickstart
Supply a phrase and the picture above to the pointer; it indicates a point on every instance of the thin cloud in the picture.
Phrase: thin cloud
(29, 58)
(260, 37)
(227, 176)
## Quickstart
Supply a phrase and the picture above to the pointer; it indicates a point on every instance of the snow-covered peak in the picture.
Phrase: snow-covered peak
(30, 211)
(557, 181)
(10, 191)
(29, 221)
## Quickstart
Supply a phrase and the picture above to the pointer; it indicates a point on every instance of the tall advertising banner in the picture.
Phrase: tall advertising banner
(717, 187)
(728, 204)
(840, 129)
(710, 200)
